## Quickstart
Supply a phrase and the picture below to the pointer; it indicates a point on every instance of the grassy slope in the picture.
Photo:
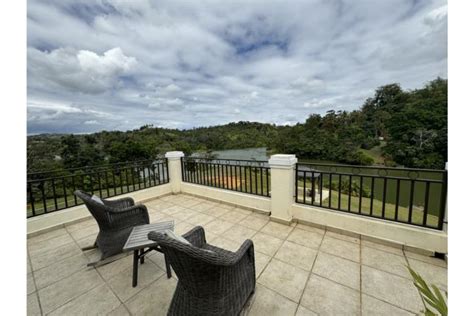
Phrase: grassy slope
(403, 212)
(375, 153)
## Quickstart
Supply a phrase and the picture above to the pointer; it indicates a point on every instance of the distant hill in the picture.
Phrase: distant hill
(413, 124)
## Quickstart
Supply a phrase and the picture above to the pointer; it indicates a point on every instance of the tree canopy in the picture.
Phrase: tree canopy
(412, 124)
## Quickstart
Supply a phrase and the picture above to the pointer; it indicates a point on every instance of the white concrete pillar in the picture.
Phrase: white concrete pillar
(174, 165)
(282, 187)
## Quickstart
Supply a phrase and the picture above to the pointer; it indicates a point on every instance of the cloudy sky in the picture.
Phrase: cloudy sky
(116, 65)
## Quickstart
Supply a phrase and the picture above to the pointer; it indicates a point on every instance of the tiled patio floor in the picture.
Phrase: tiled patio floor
(301, 270)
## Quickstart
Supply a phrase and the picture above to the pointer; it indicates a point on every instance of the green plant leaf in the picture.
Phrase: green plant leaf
(431, 296)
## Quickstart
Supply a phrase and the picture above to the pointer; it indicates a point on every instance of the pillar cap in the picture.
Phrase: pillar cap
(174, 154)
(282, 161)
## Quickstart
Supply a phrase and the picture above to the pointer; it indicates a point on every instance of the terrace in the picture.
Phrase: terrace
(339, 255)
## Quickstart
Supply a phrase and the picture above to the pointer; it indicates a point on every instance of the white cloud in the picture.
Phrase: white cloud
(183, 64)
(78, 70)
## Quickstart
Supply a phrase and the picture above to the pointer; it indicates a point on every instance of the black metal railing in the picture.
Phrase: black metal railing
(54, 190)
(246, 176)
(411, 196)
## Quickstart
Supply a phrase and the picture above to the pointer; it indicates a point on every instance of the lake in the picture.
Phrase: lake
(241, 154)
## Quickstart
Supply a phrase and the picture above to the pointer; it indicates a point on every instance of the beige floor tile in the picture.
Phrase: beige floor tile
(435, 261)
(233, 217)
(303, 311)
(239, 233)
(120, 311)
(82, 233)
(98, 301)
(216, 211)
(121, 284)
(61, 292)
(391, 288)
(40, 247)
(110, 270)
(306, 238)
(93, 255)
(226, 206)
(267, 302)
(277, 230)
(158, 205)
(254, 222)
(159, 217)
(45, 236)
(326, 297)
(185, 214)
(337, 269)
(347, 237)
(191, 203)
(30, 283)
(379, 246)
(159, 259)
(241, 210)
(266, 244)
(297, 255)
(312, 229)
(202, 207)
(385, 261)
(284, 279)
(315, 229)
(210, 237)
(170, 197)
(261, 261)
(430, 273)
(59, 270)
(32, 307)
(172, 210)
(154, 299)
(341, 248)
(44, 259)
(28, 265)
(374, 307)
(226, 244)
(199, 219)
(87, 241)
(179, 199)
(183, 227)
(81, 225)
(218, 226)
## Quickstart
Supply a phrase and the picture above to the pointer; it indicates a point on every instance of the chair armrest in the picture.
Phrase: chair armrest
(246, 250)
(119, 204)
(131, 216)
(196, 236)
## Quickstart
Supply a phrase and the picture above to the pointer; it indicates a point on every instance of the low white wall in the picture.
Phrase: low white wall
(43, 223)
(412, 236)
(255, 202)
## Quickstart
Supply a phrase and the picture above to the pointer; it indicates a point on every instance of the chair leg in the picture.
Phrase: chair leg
(89, 247)
(142, 256)
(105, 261)
(168, 267)
(135, 267)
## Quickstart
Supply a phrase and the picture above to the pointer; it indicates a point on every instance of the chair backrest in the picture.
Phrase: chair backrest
(193, 266)
(96, 209)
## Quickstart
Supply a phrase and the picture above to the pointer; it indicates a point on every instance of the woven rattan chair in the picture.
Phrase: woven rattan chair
(116, 219)
(211, 280)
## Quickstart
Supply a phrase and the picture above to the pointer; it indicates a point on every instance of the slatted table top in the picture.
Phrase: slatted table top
(139, 236)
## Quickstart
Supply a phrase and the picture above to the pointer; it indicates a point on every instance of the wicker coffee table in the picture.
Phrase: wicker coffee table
(138, 242)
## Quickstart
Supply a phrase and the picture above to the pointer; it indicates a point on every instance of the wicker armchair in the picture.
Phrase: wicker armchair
(115, 218)
(211, 280)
